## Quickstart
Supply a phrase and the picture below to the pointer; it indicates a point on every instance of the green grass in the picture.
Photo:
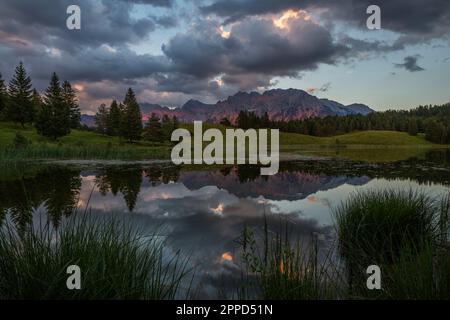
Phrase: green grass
(76, 137)
(403, 232)
(366, 138)
(87, 152)
(115, 262)
(78, 144)
(385, 223)
(81, 144)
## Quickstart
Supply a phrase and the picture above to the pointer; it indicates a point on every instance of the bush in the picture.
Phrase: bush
(20, 141)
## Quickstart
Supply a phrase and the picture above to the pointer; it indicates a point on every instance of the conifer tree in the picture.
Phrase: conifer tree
(153, 131)
(54, 118)
(101, 119)
(37, 102)
(3, 96)
(412, 127)
(20, 107)
(225, 122)
(70, 99)
(131, 120)
(167, 127)
(113, 121)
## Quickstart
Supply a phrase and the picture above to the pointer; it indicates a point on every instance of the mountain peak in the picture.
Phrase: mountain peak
(280, 104)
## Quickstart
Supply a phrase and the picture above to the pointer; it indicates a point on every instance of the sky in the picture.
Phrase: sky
(170, 51)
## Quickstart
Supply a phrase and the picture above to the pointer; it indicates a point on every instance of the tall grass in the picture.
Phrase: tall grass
(403, 232)
(115, 261)
(85, 152)
(380, 224)
(283, 269)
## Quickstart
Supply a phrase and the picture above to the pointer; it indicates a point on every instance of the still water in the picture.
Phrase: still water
(202, 211)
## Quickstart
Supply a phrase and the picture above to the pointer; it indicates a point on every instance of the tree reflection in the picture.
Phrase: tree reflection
(55, 188)
(157, 175)
(126, 181)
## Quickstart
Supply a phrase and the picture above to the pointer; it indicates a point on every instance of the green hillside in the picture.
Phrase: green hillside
(368, 138)
(76, 137)
(79, 144)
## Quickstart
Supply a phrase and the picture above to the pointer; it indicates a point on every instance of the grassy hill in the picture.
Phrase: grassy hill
(367, 138)
(90, 145)
(76, 137)
(78, 144)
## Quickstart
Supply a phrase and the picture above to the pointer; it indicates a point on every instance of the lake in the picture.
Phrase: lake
(203, 210)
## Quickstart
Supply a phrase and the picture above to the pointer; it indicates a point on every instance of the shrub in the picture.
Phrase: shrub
(20, 141)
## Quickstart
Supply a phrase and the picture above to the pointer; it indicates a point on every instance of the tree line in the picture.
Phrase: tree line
(125, 121)
(432, 121)
(53, 115)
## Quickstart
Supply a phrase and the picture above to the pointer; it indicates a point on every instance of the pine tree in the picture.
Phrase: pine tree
(225, 122)
(3, 96)
(153, 131)
(435, 132)
(54, 118)
(131, 120)
(412, 127)
(265, 121)
(175, 121)
(167, 127)
(101, 119)
(113, 121)
(70, 98)
(37, 102)
(20, 108)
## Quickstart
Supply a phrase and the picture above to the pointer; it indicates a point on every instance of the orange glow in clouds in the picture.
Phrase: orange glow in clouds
(283, 21)
(224, 34)
(227, 256)
(78, 87)
(219, 209)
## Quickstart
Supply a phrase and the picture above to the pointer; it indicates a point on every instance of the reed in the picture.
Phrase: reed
(116, 262)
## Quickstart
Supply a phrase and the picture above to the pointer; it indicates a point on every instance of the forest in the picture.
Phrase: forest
(432, 121)
(56, 112)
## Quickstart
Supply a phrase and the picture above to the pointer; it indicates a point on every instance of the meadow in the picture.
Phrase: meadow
(82, 144)
(79, 144)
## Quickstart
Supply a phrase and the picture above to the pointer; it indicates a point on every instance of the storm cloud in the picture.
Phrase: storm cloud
(172, 50)
(413, 17)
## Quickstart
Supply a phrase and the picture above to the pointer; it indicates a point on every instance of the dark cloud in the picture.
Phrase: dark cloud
(158, 3)
(416, 19)
(102, 22)
(236, 9)
(203, 60)
(250, 55)
(410, 64)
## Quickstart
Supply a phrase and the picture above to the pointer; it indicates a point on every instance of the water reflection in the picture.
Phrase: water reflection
(56, 189)
(203, 211)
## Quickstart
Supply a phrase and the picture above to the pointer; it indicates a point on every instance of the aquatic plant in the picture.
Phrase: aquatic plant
(116, 262)
(283, 269)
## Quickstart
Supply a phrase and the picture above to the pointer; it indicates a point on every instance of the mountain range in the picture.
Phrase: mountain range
(280, 104)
